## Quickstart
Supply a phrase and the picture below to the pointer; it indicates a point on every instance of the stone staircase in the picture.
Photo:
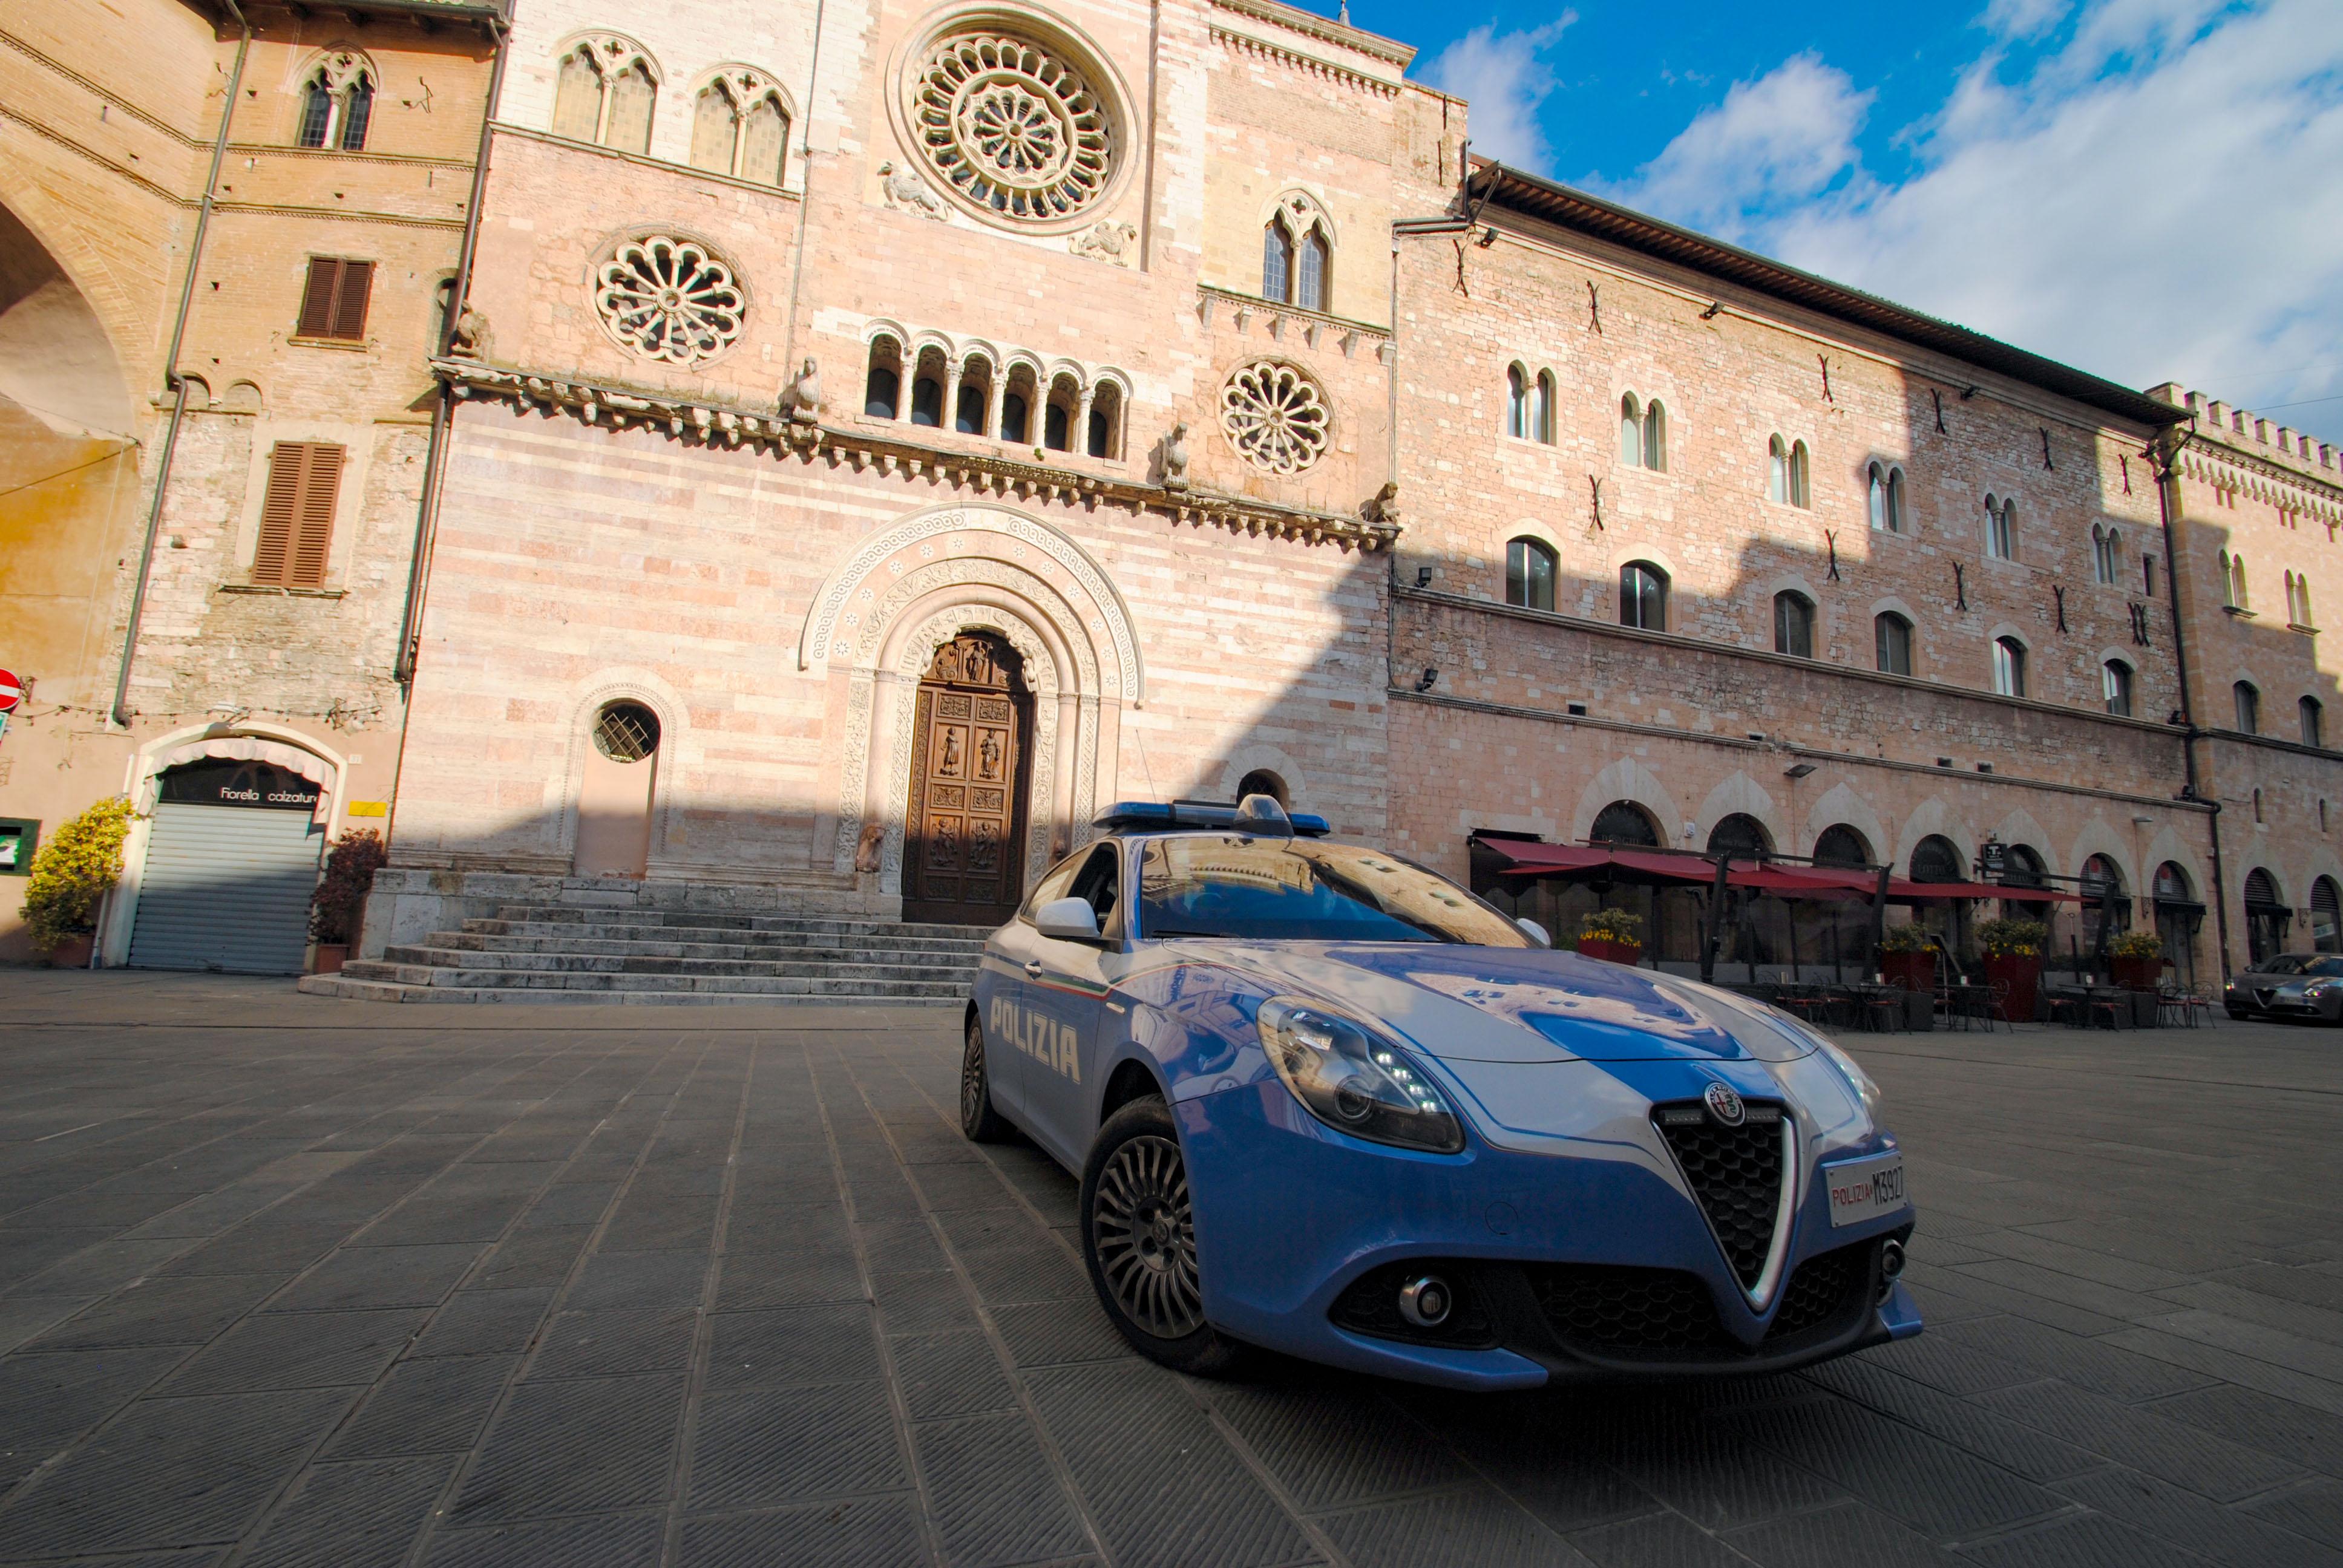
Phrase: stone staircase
(564, 953)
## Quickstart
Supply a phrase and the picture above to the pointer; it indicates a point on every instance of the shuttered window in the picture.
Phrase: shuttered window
(334, 305)
(297, 520)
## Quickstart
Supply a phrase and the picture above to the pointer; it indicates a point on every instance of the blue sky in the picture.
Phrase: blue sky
(2147, 189)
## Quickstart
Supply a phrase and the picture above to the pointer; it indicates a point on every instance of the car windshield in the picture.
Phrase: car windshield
(2324, 966)
(1295, 890)
(2283, 964)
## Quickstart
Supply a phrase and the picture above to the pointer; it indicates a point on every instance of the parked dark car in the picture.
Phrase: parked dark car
(2288, 985)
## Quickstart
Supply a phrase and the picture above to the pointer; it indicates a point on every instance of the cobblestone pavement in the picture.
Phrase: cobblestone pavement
(288, 1281)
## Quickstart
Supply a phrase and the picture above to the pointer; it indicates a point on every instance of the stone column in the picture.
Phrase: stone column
(1081, 442)
(950, 419)
(992, 404)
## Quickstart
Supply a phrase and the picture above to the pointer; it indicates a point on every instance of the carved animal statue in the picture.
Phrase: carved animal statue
(866, 848)
(1383, 506)
(801, 398)
(906, 191)
(470, 339)
(1107, 240)
(1175, 457)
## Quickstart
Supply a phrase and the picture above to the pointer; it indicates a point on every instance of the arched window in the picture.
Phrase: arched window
(1017, 402)
(1631, 431)
(2105, 542)
(2298, 599)
(1262, 781)
(1643, 596)
(928, 390)
(2106, 908)
(2001, 530)
(1740, 835)
(2233, 581)
(604, 92)
(1624, 822)
(1277, 260)
(1840, 845)
(1801, 495)
(2313, 721)
(1794, 623)
(1655, 438)
(1517, 403)
(2325, 916)
(1937, 859)
(2148, 573)
(2171, 885)
(1058, 418)
(1777, 471)
(973, 402)
(2249, 707)
(2008, 667)
(1317, 262)
(1893, 633)
(738, 128)
(1886, 499)
(1297, 254)
(883, 389)
(2266, 916)
(2115, 678)
(1529, 574)
(1104, 436)
(1542, 408)
(336, 103)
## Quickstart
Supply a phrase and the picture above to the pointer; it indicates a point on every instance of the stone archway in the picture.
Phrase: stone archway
(970, 784)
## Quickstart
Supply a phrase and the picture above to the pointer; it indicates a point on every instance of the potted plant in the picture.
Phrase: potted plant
(1908, 957)
(2013, 963)
(2138, 960)
(71, 873)
(337, 909)
(1610, 934)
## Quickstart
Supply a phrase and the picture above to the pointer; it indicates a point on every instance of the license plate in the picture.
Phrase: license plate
(1862, 1190)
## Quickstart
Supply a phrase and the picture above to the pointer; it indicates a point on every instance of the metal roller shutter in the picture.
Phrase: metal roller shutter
(225, 889)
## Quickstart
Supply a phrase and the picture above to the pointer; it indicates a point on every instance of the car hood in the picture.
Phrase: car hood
(1514, 1004)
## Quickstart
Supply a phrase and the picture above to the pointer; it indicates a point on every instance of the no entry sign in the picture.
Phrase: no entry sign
(12, 691)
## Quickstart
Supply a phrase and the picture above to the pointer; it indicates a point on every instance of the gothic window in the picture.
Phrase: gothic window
(741, 126)
(604, 92)
(882, 389)
(2105, 545)
(1542, 408)
(2115, 676)
(1017, 129)
(1643, 596)
(1529, 574)
(2248, 699)
(1296, 254)
(2298, 599)
(2233, 581)
(2008, 667)
(2148, 573)
(336, 103)
(1276, 261)
(1312, 294)
(2001, 530)
(1777, 471)
(1886, 498)
(1631, 431)
(1517, 403)
(1893, 635)
(1655, 438)
(1275, 415)
(669, 299)
(2313, 717)
(1794, 625)
(1800, 495)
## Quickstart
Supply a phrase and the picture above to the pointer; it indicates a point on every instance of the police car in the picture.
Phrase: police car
(1325, 1102)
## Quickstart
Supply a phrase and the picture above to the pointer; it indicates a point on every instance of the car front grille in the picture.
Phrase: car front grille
(1612, 1308)
(1822, 1289)
(1734, 1173)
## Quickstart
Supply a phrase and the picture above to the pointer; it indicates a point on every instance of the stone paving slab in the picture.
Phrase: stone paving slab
(293, 1280)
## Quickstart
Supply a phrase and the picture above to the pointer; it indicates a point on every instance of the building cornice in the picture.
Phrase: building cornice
(1301, 61)
(1295, 20)
(705, 422)
(2326, 496)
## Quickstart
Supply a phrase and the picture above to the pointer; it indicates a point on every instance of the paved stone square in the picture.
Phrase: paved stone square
(293, 1281)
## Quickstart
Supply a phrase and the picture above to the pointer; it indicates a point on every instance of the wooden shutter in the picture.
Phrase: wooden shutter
(334, 302)
(297, 517)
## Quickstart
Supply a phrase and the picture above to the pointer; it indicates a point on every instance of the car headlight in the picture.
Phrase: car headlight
(2318, 988)
(1857, 1079)
(1352, 1082)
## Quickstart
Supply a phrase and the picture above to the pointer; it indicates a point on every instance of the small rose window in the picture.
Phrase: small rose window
(669, 299)
(1275, 415)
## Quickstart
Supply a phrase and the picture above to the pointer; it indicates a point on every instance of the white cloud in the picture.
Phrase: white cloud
(1506, 80)
(2155, 199)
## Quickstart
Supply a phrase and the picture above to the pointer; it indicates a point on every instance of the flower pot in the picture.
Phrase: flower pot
(331, 956)
(1611, 949)
(2020, 980)
(2137, 974)
(73, 953)
(1913, 971)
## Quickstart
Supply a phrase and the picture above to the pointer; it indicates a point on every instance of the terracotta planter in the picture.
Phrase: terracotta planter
(1913, 971)
(331, 956)
(73, 953)
(1612, 951)
(2021, 979)
(2137, 974)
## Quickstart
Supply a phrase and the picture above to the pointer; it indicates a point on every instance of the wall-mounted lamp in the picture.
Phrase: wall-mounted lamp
(1797, 769)
(1712, 313)
(1430, 675)
(1423, 576)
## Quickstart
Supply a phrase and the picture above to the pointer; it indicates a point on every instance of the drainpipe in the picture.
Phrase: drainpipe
(805, 199)
(120, 713)
(2164, 453)
(443, 411)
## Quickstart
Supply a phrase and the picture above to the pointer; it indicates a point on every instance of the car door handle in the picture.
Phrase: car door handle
(1033, 968)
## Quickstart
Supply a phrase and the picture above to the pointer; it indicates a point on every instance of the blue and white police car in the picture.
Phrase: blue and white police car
(1325, 1102)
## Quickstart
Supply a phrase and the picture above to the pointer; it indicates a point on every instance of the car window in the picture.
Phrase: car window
(2280, 964)
(2323, 966)
(1216, 885)
(1098, 884)
(1053, 883)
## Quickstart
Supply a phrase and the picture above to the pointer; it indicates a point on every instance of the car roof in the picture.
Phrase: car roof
(1128, 818)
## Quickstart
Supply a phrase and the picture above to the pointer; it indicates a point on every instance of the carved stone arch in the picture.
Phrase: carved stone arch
(1737, 794)
(1064, 368)
(2167, 844)
(1933, 816)
(1303, 211)
(879, 327)
(343, 63)
(2099, 836)
(2020, 826)
(929, 337)
(982, 349)
(1109, 375)
(746, 85)
(1840, 804)
(676, 751)
(1628, 779)
(610, 54)
(244, 398)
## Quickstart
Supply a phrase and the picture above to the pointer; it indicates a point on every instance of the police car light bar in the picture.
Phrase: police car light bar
(1140, 814)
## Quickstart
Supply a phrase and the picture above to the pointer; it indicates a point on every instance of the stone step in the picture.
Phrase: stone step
(432, 955)
(354, 988)
(878, 940)
(556, 914)
(469, 940)
(605, 985)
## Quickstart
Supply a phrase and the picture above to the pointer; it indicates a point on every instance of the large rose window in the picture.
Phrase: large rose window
(1011, 128)
(1275, 417)
(669, 299)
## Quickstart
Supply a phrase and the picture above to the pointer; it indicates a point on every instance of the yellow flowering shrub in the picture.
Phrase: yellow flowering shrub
(74, 870)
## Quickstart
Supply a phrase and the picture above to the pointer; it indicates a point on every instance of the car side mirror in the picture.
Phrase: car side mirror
(1068, 919)
(1537, 932)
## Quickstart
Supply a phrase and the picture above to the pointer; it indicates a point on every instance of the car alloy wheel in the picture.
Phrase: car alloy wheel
(1145, 1236)
(979, 1121)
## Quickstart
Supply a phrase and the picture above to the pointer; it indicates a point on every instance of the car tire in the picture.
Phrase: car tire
(1139, 1239)
(979, 1121)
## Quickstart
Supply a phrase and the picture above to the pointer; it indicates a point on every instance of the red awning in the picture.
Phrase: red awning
(1528, 857)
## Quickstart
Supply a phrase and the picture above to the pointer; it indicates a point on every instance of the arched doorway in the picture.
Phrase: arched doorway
(615, 792)
(231, 861)
(2266, 916)
(2107, 906)
(1624, 822)
(970, 771)
(2178, 916)
(2325, 916)
(1840, 845)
